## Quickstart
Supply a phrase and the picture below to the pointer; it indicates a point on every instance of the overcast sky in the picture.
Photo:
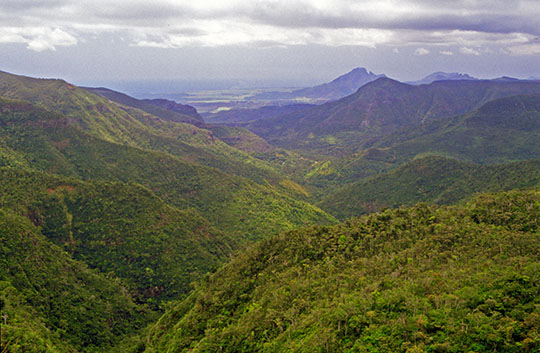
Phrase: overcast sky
(290, 41)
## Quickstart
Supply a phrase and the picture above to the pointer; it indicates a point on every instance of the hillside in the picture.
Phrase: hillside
(119, 216)
(501, 131)
(48, 142)
(418, 279)
(51, 303)
(124, 125)
(436, 180)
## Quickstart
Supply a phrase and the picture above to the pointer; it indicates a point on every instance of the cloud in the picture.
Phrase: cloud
(446, 52)
(38, 39)
(178, 23)
(469, 51)
(421, 51)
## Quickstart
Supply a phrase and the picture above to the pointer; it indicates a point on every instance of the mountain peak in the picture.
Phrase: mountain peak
(442, 76)
(343, 85)
(358, 74)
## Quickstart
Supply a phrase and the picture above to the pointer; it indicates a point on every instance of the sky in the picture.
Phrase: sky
(267, 42)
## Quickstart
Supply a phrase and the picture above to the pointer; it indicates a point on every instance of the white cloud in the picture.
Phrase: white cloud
(421, 51)
(446, 52)
(37, 38)
(469, 51)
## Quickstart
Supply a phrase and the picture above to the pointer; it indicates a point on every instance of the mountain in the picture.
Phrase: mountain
(501, 131)
(433, 179)
(377, 109)
(340, 87)
(420, 279)
(506, 79)
(163, 108)
(120, 124)
(441, 76)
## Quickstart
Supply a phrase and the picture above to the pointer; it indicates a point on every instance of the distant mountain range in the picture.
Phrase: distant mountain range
(376, 109)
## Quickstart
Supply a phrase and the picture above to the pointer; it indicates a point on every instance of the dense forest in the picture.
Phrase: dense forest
(419, 279)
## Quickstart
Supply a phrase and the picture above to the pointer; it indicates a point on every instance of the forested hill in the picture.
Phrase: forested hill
(420, 279)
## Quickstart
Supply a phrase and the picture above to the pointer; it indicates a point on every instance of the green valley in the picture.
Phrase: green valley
(132, 225)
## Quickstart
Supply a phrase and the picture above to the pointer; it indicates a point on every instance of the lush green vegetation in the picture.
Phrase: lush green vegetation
(51, 303)
(418, 279)
(109, 121)
(108, 212)
(502, 130)
(437, 180)
(239, 206)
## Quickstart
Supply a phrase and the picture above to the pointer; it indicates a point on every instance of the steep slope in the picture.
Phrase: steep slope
(379, 108)
(436, 180)
(47, 141)
(416, 279)
(51, 303)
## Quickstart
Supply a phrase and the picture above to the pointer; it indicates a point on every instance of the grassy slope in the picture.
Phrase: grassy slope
(416, 279)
